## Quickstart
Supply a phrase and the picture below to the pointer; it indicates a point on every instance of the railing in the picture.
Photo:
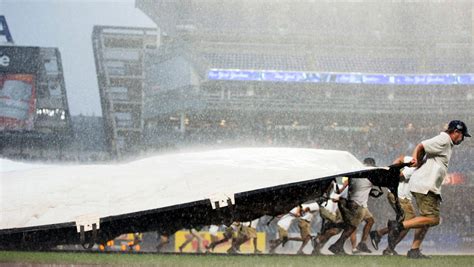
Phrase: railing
(338, 102)
(309, 62)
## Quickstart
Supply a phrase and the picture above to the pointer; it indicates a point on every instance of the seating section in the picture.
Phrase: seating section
(261, 61)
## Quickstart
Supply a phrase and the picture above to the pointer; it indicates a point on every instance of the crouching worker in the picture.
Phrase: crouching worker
(283, 225)
(304, 224)
(405, 198)
(353, 209)
(332, 219)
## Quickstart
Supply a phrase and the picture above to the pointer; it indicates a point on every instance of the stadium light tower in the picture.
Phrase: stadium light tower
(5, 36)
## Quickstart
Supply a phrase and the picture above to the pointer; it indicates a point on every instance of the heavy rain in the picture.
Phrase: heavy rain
(205, 127)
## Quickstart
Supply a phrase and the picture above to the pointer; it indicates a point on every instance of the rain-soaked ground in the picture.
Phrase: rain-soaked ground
(11, 258)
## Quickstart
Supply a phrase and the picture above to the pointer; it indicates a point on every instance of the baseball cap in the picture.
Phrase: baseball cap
(460, 126)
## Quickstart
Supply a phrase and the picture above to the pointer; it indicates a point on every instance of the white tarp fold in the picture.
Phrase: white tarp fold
(35, 195)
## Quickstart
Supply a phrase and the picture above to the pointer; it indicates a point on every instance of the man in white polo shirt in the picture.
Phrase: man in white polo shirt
(283, 225)
(304, 224)
(331, 215)
(248, 230)
(405, 200)
(354, 210)
(432, 158)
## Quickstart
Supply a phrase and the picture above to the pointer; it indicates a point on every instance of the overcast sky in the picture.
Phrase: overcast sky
(67, 25)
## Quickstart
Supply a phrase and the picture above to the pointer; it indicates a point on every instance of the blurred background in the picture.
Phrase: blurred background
(370, 78)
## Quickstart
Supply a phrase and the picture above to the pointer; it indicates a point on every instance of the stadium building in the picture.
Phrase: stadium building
(34, 112)
(119, 55)
(300, 72)
(371, 78)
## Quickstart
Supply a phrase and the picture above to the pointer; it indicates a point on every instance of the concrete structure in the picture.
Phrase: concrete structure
(35, 118)
(119, 55)
(244, 70)
(247, 73)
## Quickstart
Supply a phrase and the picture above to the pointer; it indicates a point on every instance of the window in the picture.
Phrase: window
(118, 93)
(54, 89)
(122, 54)
(121, 142)
(115, 67)
(123, 119)
(51, 65)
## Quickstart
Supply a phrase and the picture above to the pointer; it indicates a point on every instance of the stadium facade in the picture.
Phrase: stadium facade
(371, 78)
(119, 55)
(34, 113)
(225, 69)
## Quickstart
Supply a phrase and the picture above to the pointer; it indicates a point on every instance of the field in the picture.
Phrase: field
(8, 258)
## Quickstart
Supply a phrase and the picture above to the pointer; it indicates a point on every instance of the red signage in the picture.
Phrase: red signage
(454, 178)
(17, 101)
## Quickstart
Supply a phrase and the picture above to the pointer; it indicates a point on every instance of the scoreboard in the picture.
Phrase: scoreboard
(18, 74)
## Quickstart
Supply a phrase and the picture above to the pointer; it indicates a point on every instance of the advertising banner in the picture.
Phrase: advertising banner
(17, 101)
(339, 77)
(19, 66)
(205, 240)
(19, 59)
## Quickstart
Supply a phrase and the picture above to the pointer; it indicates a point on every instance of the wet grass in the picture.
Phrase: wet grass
(48, 258)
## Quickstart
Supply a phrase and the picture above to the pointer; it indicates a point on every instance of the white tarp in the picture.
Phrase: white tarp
(35, 195)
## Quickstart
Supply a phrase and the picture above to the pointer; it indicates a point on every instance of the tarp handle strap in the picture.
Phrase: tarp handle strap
(231, 207)
(338, 191)
(400, 214)
(92, 241)
(323, 221)
(269, 221)
(227, 222)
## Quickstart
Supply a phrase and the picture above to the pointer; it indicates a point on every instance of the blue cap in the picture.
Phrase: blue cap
(460, 126)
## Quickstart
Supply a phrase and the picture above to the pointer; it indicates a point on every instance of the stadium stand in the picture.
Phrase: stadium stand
(184, 106)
